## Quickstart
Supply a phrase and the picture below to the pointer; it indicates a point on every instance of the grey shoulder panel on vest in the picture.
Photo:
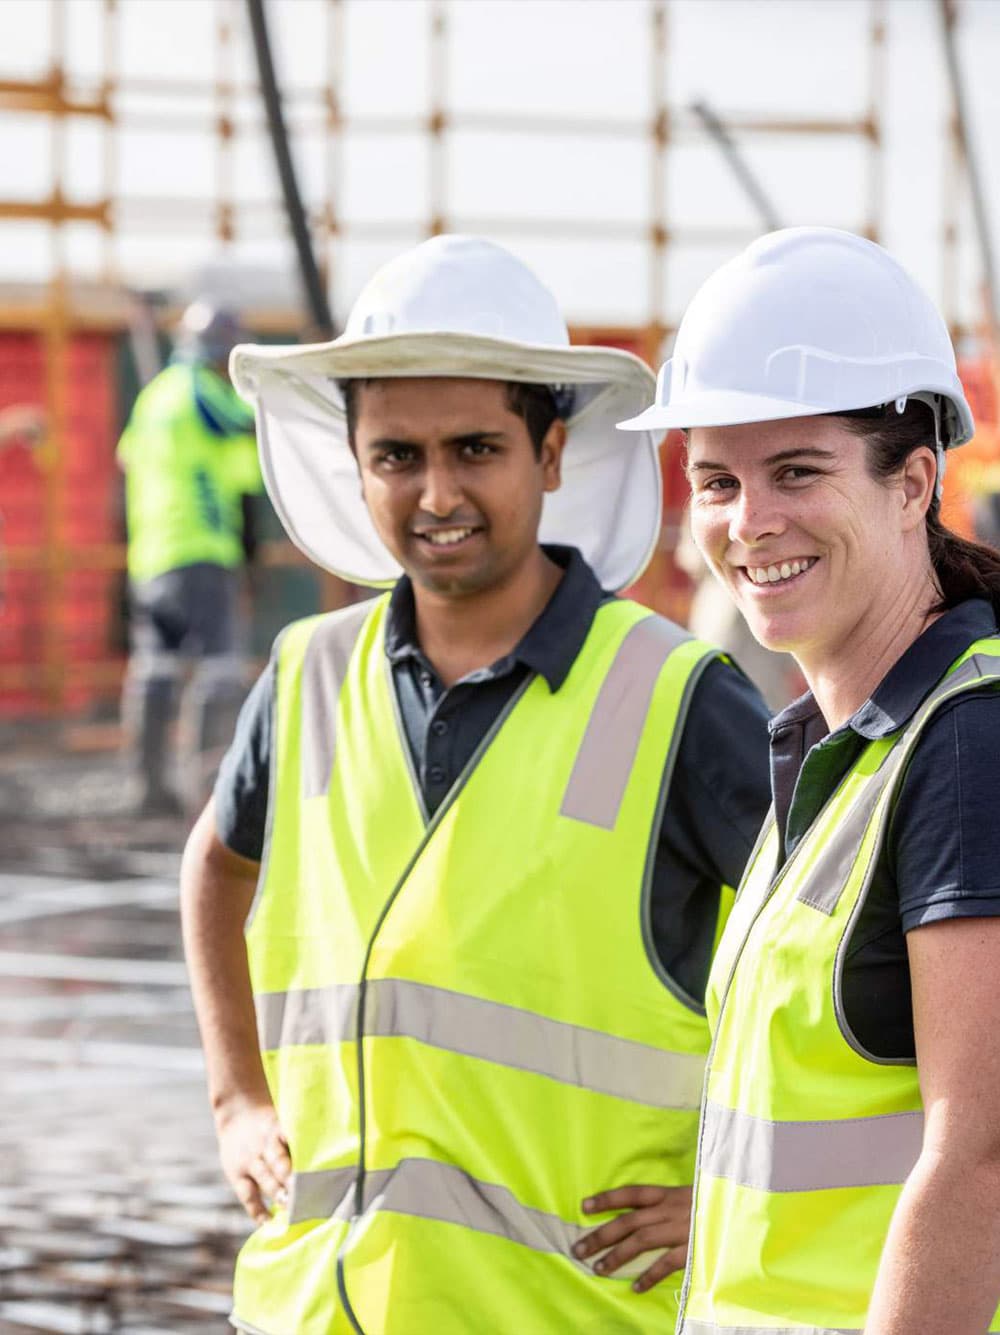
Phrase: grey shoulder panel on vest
(828, 878)
(324, 669)
(604, 762)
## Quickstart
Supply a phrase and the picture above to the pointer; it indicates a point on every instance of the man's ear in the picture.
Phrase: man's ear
(553, 444)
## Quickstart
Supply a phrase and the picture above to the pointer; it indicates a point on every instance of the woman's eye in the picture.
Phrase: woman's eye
(719, 484)
(798, 473)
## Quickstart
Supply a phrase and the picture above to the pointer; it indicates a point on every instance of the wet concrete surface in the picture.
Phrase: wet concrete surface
(114, 1214)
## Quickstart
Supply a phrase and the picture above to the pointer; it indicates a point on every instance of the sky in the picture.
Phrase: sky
(579, 60)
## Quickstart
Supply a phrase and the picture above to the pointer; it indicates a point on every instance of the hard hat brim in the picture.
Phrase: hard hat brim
(731, 408)
(720, 409)
(432, 353)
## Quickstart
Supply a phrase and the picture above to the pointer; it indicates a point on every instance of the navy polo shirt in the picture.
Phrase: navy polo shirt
(940, 855)
(718, 794)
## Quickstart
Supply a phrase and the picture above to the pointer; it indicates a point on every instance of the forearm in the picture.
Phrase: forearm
(217, 890)
(940, 1268)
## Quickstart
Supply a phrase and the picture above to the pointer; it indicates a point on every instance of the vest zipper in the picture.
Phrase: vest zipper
(449, 799)
(724, 997)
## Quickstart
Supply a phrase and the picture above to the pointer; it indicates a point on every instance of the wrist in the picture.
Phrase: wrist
(228, 1104)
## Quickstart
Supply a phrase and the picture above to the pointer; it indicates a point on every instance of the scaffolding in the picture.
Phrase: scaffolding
(226, 110)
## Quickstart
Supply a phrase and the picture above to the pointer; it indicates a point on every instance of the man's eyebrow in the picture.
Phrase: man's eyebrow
(392, 443)
(474, 437)
(796, 452)
(461, 438)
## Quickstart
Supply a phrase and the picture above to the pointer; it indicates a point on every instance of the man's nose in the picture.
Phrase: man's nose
(441, 494)
(755, 516)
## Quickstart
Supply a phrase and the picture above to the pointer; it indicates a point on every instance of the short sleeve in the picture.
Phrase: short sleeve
(944, 840)
(718, 796)
(721, 788)
(241, 788)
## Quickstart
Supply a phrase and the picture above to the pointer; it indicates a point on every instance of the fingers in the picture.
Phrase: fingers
(665, 1209)
(610, 1233)
(250, 1198)
(631, 1198)
(670, 1261)
(271, 1179)
(651, 1237)
(256, 1159)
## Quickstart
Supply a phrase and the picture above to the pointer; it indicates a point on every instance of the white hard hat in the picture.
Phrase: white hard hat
(455, 306)
(807, 320)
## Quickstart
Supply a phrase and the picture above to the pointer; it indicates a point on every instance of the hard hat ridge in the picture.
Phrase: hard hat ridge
(805, 321)
(458, 284)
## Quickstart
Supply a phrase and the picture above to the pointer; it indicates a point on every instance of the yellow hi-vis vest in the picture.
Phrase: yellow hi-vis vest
(806, 1138)
(463, 1025)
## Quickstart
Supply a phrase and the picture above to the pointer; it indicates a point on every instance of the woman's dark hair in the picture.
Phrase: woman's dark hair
(962, 569)
(535, 404)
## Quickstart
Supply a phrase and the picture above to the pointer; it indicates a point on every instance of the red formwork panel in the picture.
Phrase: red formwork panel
(78, 626)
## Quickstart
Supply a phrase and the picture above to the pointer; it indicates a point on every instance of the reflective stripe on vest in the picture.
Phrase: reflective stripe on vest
(809, 1156)
(604, 761)
(806, 1138)
(710, 1328)
(487, 1030)
(461, 1024)
(428, 1189)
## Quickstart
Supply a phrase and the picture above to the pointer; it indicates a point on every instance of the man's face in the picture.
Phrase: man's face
(451, 479)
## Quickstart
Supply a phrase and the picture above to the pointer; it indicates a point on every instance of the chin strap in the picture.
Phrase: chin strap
(939, 449)
(941, 464)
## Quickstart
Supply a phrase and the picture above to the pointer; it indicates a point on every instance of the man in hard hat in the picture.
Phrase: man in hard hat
(476, 831)
(190, 464)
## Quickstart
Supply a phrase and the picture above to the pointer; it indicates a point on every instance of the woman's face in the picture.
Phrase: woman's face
(812, 548)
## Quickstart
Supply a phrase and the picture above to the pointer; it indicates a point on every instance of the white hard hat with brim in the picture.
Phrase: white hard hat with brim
(807, 321)
(455, 306)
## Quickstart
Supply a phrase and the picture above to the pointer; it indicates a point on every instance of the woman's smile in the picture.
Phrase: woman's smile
(777, 576)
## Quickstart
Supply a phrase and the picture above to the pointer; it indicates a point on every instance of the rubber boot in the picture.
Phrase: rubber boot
(209, 710)
(147, 713)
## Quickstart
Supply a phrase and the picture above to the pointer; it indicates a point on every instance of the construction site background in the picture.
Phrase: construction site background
(624, 150)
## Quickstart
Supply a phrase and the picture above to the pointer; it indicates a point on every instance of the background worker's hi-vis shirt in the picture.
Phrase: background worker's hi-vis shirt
(189, 457)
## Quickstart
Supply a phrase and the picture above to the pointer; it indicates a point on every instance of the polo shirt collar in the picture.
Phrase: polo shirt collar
(550, 645)
(911, 678)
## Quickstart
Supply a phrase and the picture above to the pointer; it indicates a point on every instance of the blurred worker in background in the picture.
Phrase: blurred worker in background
(850, 1146)
(191, 470)
(497, 809)
(20, 424)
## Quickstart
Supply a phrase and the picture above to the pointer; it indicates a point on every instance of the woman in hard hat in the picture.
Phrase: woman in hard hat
(849, 1161)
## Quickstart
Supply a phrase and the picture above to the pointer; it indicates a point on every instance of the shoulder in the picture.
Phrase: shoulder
(658, 634)
(961, 739)
(170, 390)
(726, 728)
(338, 629)
(944, 842)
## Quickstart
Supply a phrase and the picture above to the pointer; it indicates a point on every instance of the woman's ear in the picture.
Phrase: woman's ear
(918, 478)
